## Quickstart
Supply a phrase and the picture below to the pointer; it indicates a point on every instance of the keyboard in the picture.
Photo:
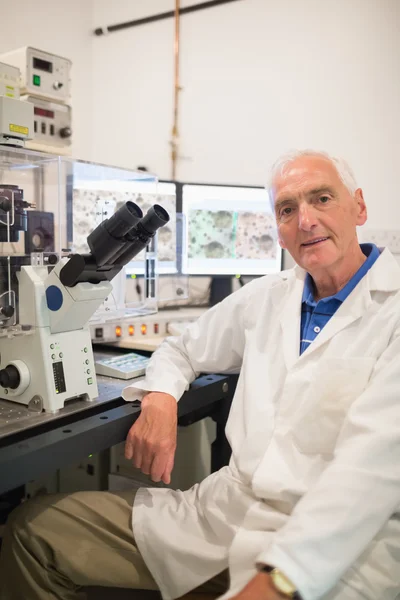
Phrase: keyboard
(123, 366)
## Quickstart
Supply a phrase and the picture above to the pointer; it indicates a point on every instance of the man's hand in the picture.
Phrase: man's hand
(151, 440)
(259, 588)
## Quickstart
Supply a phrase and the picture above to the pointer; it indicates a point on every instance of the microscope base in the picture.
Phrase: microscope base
(53, 368)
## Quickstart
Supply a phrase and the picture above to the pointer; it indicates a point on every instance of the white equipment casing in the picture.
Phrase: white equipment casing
(16, 121)
(78, 303)
(52, 126)
(42, 73)
(49, 382)
(9, 81)
(55, 358)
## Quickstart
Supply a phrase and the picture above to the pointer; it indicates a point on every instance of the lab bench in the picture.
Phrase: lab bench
(33, 445)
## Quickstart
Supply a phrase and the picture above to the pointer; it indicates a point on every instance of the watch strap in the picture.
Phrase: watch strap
(268, 569)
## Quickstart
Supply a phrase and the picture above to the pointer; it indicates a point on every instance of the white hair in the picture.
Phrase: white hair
(343, 169)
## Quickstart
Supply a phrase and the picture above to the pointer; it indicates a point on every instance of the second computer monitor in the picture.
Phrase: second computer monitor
(230, 230)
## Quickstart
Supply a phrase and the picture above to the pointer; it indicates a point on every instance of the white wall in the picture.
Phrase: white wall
(259, 77)
(64, 28)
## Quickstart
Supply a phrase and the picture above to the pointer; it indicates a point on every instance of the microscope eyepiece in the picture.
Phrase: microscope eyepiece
(124, 219)
(155, 218)
(114, 243)
(139, 236)
(108, 239)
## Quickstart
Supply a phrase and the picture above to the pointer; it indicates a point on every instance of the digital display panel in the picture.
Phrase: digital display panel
(42, 65)
(43, 112)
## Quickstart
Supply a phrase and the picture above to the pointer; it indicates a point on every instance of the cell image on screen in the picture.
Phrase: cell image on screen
(224, 234)
(256, 236)
(91, 207)
(84, 218)
(229, 230)
(210, 234)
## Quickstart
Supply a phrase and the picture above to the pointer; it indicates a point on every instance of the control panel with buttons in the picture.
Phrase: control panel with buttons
(42, 74)
(125, 366)
(58, 358)
(86, 367)
(59, 378)
(52, 123)
(58, 369)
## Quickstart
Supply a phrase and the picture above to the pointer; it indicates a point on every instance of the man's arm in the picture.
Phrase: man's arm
(151, 441)
(355, 496)
(214, 343)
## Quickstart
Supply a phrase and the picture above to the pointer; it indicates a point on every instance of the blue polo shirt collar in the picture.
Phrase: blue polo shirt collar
(371, 252)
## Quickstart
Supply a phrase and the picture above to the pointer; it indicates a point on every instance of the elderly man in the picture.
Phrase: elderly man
(309, 504)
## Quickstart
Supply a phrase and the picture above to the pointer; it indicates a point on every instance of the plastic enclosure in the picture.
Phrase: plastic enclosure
(48, 293)
(49, 205)
(33, 225)
(136, 289)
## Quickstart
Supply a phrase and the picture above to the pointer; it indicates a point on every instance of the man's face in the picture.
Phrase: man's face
(316, 214)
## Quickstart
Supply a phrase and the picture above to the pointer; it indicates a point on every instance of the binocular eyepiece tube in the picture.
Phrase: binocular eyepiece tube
(140, 235)
(114, 243)
(109, 237)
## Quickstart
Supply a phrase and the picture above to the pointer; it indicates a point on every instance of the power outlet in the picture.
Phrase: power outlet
(389, 238)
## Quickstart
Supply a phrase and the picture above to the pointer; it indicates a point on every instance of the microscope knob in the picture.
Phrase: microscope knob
(10, 377)
(7, 311)
(52, 259)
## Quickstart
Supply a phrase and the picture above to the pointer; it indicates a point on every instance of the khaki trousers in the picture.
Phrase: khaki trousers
(56, 547)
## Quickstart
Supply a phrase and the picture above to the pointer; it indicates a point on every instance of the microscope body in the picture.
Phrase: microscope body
(53, 360)
(46, 352)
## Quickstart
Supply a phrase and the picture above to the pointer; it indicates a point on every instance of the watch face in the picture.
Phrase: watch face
(282, 583)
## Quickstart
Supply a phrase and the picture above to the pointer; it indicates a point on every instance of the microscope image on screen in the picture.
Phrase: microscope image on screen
(210, 234)
(256, 236)
(104, 203)
(229, 230)
(231, 234)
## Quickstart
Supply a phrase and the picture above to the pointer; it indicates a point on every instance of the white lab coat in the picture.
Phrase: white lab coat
(313, 486)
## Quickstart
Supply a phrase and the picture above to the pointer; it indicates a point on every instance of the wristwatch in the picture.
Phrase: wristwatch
(282, 584)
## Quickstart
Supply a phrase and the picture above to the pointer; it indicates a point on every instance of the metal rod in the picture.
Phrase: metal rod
(175, 131)
(161, 16)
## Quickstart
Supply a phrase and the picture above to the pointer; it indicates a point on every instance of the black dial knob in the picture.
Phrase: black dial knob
(7, 311)
(10, 377)
(52, 259)
(65, 132)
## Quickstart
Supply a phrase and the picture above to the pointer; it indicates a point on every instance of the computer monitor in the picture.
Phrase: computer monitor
(230, 230)
(92, 194)
(167, 239)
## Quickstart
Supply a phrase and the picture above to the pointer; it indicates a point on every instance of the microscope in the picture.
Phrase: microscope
(46, 303)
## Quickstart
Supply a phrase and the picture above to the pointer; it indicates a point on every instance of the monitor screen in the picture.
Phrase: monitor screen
(230, 230)
(165, 195)
(93, 200)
